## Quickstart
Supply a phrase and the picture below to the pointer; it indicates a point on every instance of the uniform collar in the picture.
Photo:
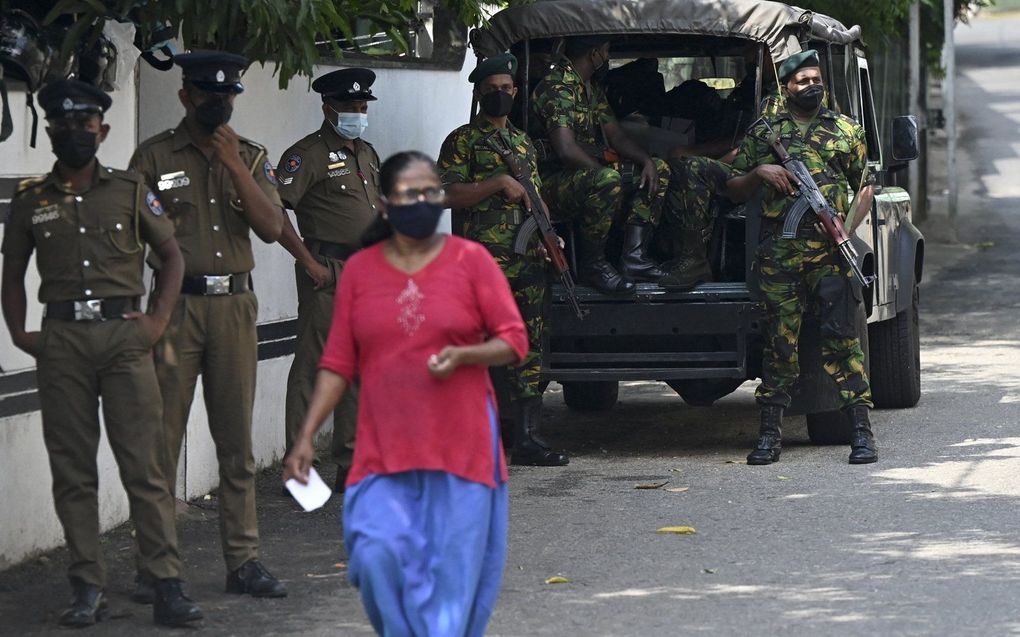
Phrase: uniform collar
(181, 135)
(483, 124)
(823, 113)
(102, 173)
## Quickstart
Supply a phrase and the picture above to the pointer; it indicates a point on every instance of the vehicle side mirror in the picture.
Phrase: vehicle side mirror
(905, 143)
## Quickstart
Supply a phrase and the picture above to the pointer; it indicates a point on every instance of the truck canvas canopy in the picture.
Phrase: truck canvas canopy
(781, 26)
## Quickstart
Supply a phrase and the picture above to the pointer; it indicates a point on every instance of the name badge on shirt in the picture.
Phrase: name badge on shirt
(173, 180)
(46, 213)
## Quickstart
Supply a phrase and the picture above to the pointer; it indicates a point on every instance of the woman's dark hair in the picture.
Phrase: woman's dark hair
(389, 172)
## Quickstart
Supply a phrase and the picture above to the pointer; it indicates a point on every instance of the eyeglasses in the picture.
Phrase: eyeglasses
(432, 195)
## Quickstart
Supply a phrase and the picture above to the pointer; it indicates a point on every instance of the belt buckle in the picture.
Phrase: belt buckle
(217, 285)
(90, 310)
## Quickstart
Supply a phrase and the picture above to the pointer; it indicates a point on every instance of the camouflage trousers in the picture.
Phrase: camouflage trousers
(693, 185)
(596, 197)
(792, 273)
(529, 284)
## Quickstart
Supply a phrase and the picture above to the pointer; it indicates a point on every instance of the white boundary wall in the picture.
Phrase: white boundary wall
(416, 109)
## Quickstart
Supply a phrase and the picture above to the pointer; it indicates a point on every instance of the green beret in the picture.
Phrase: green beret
(502, 64)
(796, 62)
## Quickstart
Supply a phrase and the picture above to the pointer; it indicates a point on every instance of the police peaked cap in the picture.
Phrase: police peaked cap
(796, 62)
(213, 71)
(502, 64)
(73, 98)
(346, 85)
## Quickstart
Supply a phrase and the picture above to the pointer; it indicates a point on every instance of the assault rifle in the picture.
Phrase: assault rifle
(537, 220)
(811, 198)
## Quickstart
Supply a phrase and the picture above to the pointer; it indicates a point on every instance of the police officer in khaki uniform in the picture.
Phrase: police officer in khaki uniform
(89, 226)
(330, 178)
(217, 188)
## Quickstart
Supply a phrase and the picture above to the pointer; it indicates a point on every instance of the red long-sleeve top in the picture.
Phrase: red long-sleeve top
(386, 325)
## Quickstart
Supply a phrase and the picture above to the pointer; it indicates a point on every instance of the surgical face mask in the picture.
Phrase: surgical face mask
(74, 147)
(810, 98)
(213, 113)
(417, 220)
(496, 103)
(350, 125)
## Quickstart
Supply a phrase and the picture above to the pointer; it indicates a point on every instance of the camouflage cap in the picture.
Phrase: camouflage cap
(796, 62)
(502, 64)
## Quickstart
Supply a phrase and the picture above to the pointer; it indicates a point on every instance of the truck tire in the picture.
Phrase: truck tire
(596, 395)
(828, 428)
(704, 391)
(895, 352)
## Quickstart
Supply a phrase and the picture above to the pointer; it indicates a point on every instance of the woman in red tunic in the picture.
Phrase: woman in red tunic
(419, 319)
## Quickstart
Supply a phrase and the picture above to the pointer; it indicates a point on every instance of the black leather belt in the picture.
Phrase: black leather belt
(330, 250)
(216, 284)
(92, 309)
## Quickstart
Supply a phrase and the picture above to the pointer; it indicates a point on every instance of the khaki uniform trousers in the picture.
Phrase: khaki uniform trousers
(315, 315)
(215, 336)
(79, 362)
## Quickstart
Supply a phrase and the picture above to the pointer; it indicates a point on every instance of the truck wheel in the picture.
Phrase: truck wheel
(895, 348)
(704, 391)
(598, 395)
(828, 428)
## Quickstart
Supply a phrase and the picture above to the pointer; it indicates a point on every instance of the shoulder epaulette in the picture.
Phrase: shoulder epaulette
(25, 184)
(305, 142)
(155, 139)
(127, 175)
(254, 144)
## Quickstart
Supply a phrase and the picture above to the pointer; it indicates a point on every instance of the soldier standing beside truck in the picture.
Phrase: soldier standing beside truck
(478, 180)
(806, 271)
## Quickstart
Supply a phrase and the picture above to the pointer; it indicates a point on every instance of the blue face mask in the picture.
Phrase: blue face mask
(350, 125)
(417, 220)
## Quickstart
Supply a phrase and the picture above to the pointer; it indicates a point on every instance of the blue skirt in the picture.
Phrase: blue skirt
(427, 550)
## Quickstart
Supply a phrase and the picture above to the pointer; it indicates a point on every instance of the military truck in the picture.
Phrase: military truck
(705, 342)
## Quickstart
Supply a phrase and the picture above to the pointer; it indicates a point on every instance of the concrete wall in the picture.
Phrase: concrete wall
(416, 109)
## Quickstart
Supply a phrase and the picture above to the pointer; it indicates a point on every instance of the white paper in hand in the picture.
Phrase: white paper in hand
(310, 496)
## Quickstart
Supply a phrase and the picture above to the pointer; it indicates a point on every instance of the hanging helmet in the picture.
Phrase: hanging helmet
(21, 51)
(23, 57)
(97, 64)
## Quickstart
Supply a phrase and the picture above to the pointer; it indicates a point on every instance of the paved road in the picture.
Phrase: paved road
(925, 542)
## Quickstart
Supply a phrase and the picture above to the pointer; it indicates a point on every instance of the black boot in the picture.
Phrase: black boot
(253, 578)
(341, 479)
(634, 261)
(594, 270)
(862, 441)
(770, 436)
(691, 265)
(171, 606)
(88, 605)
(529, 449)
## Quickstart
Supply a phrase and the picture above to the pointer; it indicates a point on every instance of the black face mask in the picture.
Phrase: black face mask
(73, 147)
(417, 220)
(808, 99)
(496, 103)
(213, 113)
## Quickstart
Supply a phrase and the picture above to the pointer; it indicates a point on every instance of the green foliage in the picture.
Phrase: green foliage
(887, 20)
(292, 34)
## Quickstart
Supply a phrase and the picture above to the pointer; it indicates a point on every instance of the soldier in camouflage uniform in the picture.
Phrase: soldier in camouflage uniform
(794, 273)
(479, 183)
(694, 183)
(585, 178)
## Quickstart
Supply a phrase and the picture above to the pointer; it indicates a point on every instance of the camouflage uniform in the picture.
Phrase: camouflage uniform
(795, 272)
(466, 157)
(693, 184)
(593, 195)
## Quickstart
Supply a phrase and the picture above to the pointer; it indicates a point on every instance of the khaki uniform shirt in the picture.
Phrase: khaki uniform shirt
(333, 190)
(201, 200)
(90, 244)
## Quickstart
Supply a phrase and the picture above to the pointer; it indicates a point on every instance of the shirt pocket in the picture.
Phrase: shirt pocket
(59, 246)
(233, 215)
(182, 210)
